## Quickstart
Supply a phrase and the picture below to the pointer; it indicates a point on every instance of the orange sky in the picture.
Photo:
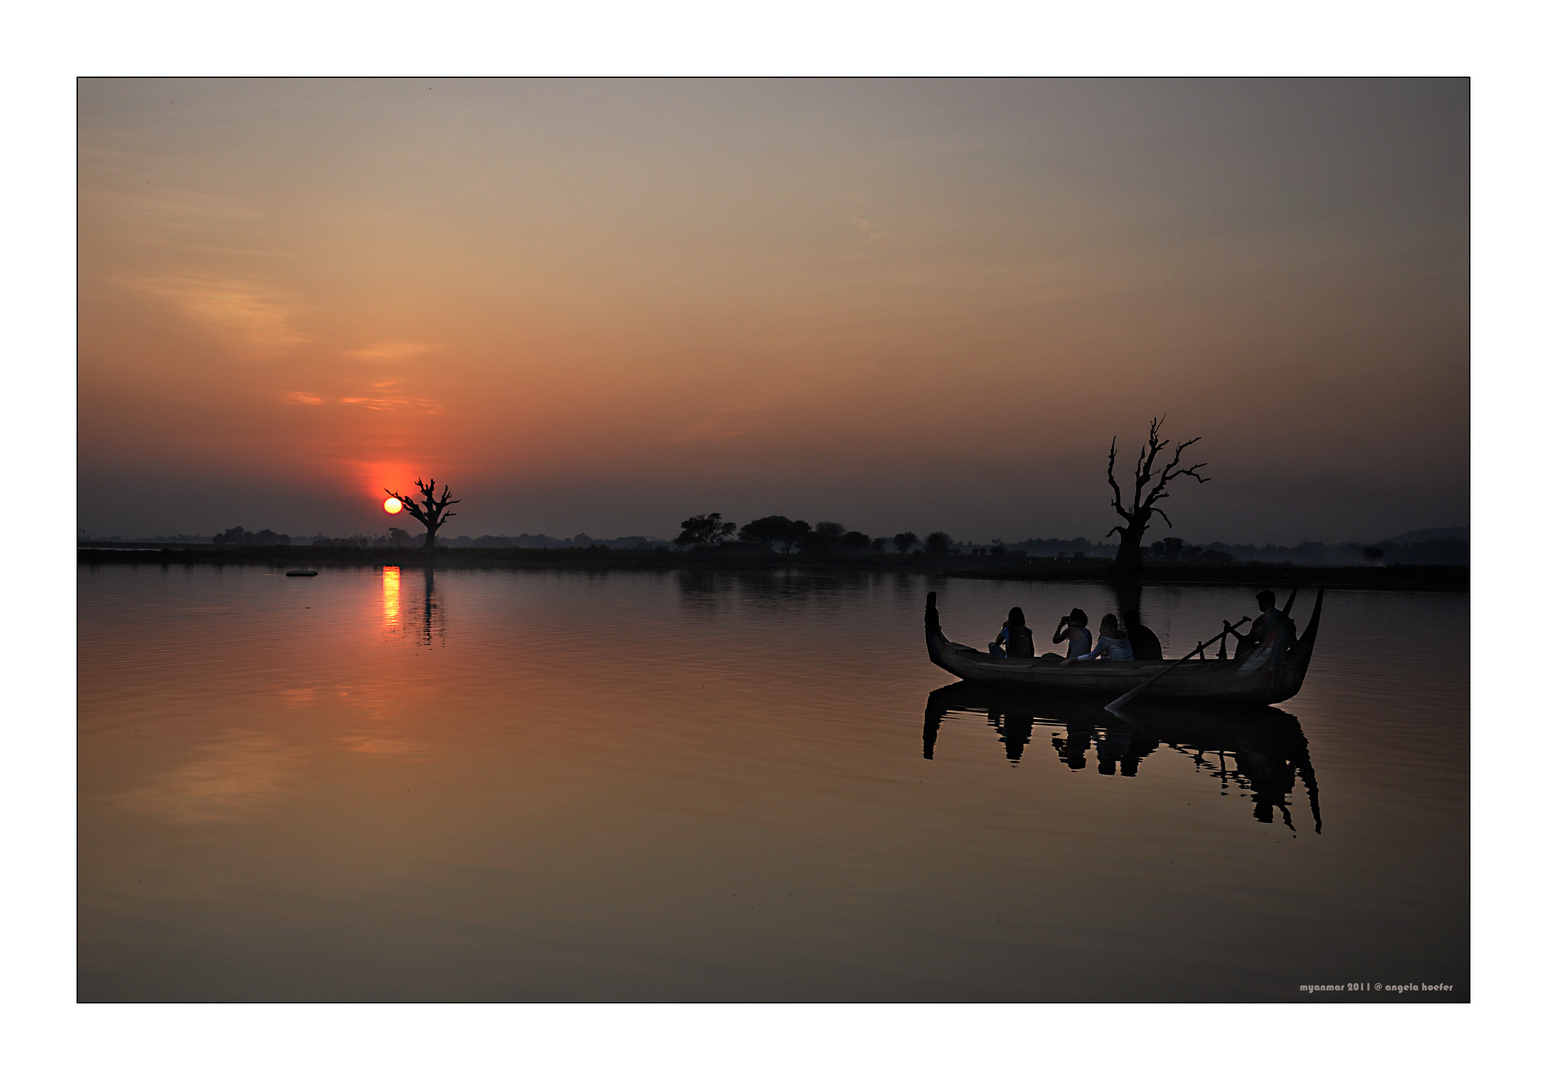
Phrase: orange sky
(603, 306)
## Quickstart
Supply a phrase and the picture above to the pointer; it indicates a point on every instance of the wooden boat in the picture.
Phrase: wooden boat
(1270, 673)
(300, 573)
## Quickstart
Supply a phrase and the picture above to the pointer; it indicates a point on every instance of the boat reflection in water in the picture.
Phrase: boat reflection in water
(1259, 749)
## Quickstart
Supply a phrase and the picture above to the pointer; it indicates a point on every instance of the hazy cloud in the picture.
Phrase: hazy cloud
(865, 241)
(388, 398)
(253, 322)
(867, 228)
(144, 210)
(390, 351)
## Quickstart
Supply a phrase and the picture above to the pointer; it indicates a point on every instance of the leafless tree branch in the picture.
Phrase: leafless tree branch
(1171, 472)
(1149, 488)
(1117, 492)
(433, 514)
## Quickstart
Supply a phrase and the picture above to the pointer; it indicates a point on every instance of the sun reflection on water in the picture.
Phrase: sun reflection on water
(391, 610)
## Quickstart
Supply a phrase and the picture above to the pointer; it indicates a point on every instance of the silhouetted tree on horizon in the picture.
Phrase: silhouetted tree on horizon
(903, 541)
(799, 530)
(1148, 489)
(705, 529)
(433, 514)
(822, 539)
(938, 543)
(775, 530)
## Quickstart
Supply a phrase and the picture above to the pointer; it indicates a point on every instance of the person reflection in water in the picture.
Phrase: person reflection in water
(1071, 749)
(1014, 640)
(1014, 730)
(1121, 750)
(1111, 746)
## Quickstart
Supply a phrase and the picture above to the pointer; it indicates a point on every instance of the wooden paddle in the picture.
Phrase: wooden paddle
(1118, 703)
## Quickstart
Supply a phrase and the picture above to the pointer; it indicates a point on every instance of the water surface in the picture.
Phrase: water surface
(676, 786)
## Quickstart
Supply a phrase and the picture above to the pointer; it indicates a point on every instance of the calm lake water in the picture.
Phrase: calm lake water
(382, 784)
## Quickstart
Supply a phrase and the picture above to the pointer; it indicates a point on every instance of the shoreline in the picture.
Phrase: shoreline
(1405, 578)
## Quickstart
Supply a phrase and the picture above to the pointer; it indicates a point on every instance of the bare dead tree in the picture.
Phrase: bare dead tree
(433, 514)
(1148, 489)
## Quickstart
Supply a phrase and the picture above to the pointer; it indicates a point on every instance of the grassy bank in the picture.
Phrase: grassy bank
(1443, 578)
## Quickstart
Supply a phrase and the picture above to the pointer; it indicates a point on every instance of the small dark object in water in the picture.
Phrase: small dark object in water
(300, 573)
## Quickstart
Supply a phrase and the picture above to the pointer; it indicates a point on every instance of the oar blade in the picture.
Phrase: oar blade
(1115, 705)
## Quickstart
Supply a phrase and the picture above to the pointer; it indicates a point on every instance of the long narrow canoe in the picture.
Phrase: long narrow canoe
(1270, 673)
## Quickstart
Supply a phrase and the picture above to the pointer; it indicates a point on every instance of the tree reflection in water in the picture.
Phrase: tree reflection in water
(1259, 749)
(423, 615)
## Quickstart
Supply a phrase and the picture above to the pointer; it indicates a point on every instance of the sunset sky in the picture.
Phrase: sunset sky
(603, 306)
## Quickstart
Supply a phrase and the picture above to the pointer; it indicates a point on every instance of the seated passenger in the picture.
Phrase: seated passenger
(1014, 637)
(1141, 639)
(1072, 628)
(1113, 644)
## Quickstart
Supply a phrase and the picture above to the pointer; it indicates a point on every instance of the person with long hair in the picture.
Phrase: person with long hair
(1014, 640)
(1113, 644)
(1073, 629)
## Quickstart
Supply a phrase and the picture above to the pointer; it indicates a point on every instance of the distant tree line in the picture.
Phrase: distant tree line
(239, 535)
(1174, 551)
(396, 537)
(1444, 551)
(781, 534)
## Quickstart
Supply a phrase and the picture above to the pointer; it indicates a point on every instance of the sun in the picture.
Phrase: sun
(392, 506)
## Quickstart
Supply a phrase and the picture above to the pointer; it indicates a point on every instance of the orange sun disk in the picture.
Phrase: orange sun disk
(392, 506)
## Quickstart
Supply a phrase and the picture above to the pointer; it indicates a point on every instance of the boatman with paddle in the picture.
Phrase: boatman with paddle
(1262, 626)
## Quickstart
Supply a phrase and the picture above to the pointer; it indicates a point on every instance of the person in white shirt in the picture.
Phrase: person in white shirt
(1113, 644)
